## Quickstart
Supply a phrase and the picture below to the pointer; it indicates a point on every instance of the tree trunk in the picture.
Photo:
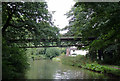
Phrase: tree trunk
(100, 53)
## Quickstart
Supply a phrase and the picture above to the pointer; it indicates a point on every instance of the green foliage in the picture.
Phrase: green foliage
(63, 50)
(79, 60)
(36, 53)
(94, 67)
(37, 57)
(101, 21)
(45, 53)
(103, 69)
(83, 62)
(41, 51)
(57, 59)
(22, 20)
(14, 62)
(52, 52)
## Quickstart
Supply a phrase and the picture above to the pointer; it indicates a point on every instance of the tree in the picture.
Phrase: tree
(23, 20)
(98, 20)
(52, 52)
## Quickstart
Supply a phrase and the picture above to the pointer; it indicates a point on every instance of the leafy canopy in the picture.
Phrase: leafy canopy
(22, 20)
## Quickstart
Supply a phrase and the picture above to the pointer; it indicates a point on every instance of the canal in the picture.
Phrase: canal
(47, 69)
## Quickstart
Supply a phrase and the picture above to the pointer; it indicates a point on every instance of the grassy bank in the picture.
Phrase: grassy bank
(57, 59)
(83, 62)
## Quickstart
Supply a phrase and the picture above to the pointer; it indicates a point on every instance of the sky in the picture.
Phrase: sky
(61, 7)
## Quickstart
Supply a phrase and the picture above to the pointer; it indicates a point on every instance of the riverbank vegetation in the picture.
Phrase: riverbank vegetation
(83, 62)
(45, 53)
(14, 61)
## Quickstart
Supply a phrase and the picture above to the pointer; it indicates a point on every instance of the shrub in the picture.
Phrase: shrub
(14, 61)
(52, 52)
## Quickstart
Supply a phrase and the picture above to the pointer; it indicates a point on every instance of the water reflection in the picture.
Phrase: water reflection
(46, 69)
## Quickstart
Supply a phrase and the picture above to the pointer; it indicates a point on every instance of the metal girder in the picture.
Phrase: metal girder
(50, 46)
(49, 40)
(62, 42)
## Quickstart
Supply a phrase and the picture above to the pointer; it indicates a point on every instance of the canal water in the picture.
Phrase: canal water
(47, 69)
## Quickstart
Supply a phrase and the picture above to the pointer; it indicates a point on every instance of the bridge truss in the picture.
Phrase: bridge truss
(62, 42)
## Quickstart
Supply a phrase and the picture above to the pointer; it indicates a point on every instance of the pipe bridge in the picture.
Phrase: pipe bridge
(61, 42)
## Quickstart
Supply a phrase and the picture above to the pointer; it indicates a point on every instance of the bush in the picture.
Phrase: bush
(14, 61)
(82, 61)
(63, 50)
(102, 68)
(52, 52)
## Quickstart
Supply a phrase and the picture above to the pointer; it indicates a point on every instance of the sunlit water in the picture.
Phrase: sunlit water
(46, 69)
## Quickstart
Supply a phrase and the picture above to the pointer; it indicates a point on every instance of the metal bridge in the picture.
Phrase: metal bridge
(61, 42)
